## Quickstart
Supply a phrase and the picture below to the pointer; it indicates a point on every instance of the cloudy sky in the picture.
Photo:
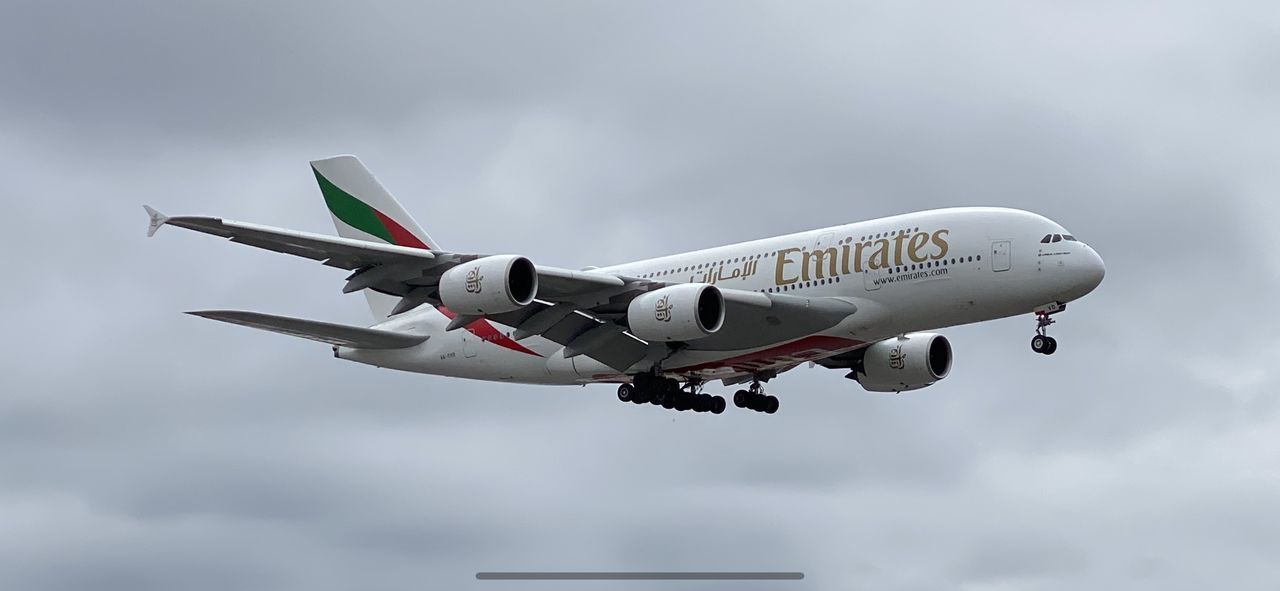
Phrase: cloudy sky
(144, 449)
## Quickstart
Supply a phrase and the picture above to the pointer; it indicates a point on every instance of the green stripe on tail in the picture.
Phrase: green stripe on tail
(353, 212)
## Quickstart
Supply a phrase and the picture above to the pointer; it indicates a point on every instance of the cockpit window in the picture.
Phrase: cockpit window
(1057, 237)
(1046, 238)
(1069, 237)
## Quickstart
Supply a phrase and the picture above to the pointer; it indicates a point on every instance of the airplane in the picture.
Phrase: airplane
(862, 297)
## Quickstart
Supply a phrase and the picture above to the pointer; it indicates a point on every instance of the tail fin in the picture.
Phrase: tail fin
(364, 210)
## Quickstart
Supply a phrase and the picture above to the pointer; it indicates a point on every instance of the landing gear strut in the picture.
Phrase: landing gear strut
(755, 399)
(1043, 343)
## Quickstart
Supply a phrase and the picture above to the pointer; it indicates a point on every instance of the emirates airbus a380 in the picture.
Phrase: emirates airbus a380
(855, 297)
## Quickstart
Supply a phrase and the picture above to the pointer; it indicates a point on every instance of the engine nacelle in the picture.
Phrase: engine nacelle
(904, 363)
(490, 285)
(677, 313)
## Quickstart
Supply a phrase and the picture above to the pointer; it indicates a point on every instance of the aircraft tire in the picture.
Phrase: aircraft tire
(626, 392)
(706, 402)
(718, 405)
(740, 398)
(1051, 346)
(770, 405)
(1039, 343)
(682, 402)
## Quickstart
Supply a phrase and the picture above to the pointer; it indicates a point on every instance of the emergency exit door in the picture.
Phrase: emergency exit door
(1000, 255)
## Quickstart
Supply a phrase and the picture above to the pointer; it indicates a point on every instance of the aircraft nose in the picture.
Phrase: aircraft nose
(1093, 270)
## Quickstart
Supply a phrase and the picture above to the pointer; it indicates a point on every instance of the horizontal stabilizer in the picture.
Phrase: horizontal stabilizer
(325, 332)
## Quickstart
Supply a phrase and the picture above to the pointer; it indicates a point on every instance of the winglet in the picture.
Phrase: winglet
(157, 219)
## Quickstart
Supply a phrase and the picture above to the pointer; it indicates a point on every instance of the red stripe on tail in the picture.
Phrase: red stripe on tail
(399, 234)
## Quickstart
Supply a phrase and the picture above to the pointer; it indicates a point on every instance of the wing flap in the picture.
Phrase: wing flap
(324, 332)
(610, 344)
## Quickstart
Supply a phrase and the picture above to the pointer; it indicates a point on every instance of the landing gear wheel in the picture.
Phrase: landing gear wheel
(626, 392)
(1051, 346)
(717, 405)
(1040, 343)
(683, 402)
(668, 402)
(770, 405)
(740, 398)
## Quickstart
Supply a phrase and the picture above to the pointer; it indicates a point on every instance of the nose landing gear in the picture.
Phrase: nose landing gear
(1043, 343)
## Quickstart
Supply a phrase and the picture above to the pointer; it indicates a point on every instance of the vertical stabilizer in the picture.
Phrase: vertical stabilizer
(364, 210)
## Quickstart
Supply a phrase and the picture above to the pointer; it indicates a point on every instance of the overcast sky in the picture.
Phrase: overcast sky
(144, 449)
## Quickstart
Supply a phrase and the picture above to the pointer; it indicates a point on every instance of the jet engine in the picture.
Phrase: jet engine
(677, 313)
(490, 285)
(908, 362)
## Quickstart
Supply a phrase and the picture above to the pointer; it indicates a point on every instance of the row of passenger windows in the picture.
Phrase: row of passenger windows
(933, 264)
(848, 239)
(1058, 238)
(708, 265)
(899, 269)
(891, 270)
(801, 285)
(883, 235)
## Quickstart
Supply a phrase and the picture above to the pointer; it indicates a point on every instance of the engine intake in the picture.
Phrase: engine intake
(909, 362)
(490, 285)
(677, 313)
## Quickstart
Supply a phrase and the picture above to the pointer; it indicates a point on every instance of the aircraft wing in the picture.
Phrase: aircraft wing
(344, 253)
(366, 257)
(753, 319)
(584, 311)
(325, 332)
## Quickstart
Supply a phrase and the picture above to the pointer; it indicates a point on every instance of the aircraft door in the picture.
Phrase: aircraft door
(871, 278)
(469, 344)
(1000, 255)
(824, 241)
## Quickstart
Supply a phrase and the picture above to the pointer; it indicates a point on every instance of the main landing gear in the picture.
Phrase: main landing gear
(755, 399)
(666, 392)
(1043, 343)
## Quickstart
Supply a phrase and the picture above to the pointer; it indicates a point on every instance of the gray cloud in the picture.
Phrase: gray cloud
(145, 449)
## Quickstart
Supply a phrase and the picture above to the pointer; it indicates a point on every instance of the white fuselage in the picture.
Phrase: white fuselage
(906, 273)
